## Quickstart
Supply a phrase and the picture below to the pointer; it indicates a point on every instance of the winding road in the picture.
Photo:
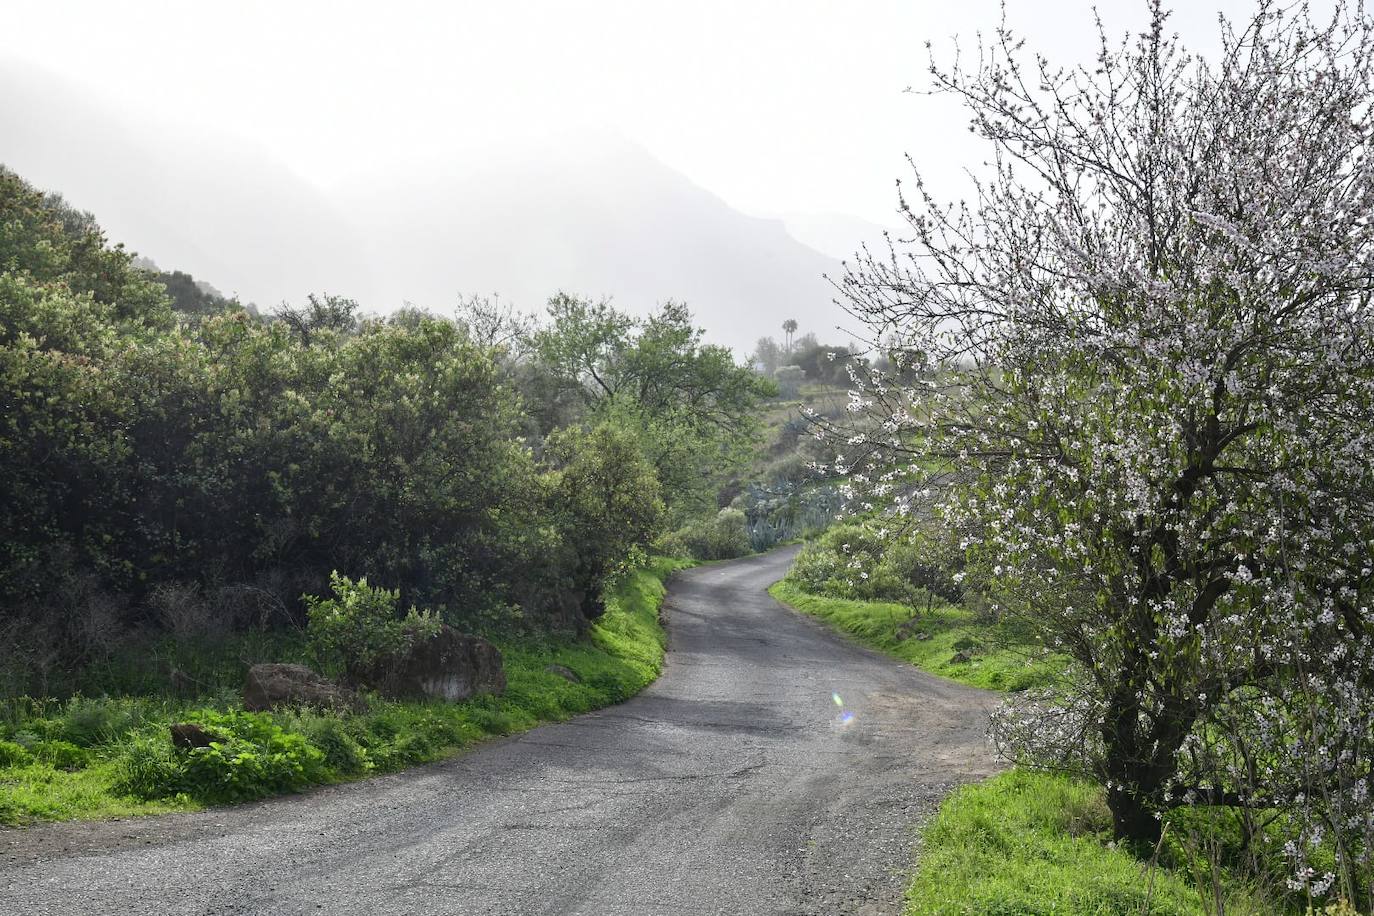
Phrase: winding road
(733, 785)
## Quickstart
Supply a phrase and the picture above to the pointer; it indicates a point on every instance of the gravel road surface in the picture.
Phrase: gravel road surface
(734, 785)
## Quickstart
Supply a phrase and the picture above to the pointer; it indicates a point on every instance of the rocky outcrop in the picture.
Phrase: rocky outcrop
(272, 685)
(448, 665)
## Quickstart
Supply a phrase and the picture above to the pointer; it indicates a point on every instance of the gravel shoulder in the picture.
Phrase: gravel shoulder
(730, 786)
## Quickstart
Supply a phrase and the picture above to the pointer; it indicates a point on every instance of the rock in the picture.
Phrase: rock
(565, 673)
(963, 656)
(271, 685)
(447, 666)
(922, 636)
(907, 629)
(187, 735)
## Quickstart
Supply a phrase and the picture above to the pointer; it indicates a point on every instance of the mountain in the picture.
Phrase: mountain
(594, 215)
(837, 234)
(191, 199)
(588, 213)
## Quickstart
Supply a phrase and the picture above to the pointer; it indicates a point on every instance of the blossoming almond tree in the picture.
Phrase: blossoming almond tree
(1139, 366)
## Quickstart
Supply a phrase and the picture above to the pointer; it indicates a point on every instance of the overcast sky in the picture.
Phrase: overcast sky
(778, 107)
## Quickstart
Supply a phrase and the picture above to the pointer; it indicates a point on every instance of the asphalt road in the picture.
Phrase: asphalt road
(734, 785)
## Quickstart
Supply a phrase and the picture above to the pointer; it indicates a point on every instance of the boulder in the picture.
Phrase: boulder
(962, 657)
(564, 672)
(446, 666)
(271, 685)
(187, 735)
(907, 629)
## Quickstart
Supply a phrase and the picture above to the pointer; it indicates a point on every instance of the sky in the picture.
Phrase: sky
(795, 107)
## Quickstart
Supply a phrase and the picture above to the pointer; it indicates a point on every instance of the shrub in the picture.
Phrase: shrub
(182, 610)
(673, 544)
(869, 562)
(256, 758)
(722, 537)
(13, 754)
(61, 755)
(359, 626)
(149, 767)
(94, 722)
(343, 754)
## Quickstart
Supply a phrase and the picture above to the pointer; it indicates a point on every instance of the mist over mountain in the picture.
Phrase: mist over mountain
(596, 216)
(190, 199)
(838, 235)
(588, 213)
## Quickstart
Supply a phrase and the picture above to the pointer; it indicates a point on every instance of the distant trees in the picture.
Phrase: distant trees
(693, 409)
(191, 297)
(816, 362)
(767, 357)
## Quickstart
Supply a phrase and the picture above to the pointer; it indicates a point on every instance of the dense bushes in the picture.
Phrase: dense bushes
(871, 562)
(720, 537)
(163, 473)
(138, 453)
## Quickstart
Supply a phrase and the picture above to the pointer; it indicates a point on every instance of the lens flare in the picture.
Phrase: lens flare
(845, 716)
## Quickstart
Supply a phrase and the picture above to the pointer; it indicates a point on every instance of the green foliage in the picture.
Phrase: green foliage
(237, 457)
(360, 625)
(255, 757)
(343, 752)
(999, 657)
(148, 767)
(13, 754)
(62, 755)
(693, 410)
(789, 381)
(56, 248)
(719, 537)
(1030, 844)
(864, 560)
(827, 364)
(201, 470)
(190, 297)
(96, 722)
(607, 496)
(131, 766)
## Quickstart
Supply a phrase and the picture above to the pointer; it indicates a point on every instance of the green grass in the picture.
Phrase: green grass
(1033, 843)
(1000, 658)
(80, 758)
(1022, 843)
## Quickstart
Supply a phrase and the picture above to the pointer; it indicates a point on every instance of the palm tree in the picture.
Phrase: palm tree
(789, 327)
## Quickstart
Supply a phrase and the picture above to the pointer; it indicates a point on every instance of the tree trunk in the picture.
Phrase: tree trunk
(1132, 820)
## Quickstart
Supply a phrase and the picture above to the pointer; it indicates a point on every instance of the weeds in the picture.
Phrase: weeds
(112, 756)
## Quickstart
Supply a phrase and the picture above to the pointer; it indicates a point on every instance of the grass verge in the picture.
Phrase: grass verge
(1034, 843)
(112, 757)
(1023, 843)
(947, 641)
